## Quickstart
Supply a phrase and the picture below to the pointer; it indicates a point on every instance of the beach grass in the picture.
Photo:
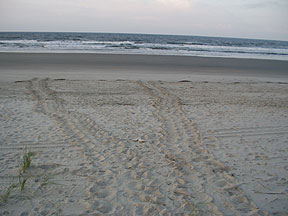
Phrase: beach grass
(6, 194)
(26, 161)
(24, 165)
(22, 181)
(22, 177)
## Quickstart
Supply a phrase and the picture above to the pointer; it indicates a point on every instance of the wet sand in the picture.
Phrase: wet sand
(19, 66)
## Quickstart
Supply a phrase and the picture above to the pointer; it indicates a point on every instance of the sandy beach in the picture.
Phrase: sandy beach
(144, 135)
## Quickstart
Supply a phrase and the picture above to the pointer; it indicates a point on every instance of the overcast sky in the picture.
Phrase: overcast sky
(267, 19)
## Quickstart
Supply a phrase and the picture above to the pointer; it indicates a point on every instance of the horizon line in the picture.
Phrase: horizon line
(134, 33)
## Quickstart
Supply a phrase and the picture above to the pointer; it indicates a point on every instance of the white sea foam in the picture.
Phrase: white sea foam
(143, 44)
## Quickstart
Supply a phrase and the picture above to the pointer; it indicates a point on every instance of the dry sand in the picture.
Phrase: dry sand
(126, 147)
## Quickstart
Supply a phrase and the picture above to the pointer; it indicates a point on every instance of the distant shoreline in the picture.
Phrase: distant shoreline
(142, 44)
(86, 66)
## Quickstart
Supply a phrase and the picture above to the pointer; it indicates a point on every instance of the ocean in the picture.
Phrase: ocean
(114, 43)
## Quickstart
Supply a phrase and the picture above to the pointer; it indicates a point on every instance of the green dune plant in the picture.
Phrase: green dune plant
(26, 161)
(45, 181)
(22, 181)
(24, 165)
(22, 177)
(6, 194)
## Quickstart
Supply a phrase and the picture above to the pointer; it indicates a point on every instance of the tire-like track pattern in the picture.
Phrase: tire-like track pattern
(124, 177)
(205, 180)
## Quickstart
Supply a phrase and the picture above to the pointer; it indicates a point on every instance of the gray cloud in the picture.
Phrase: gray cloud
(237, 18)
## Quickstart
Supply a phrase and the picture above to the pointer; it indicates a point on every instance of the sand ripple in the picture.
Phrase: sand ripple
(118, 148)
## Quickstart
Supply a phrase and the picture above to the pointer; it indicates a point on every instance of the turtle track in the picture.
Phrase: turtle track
(206, 181)
(124, 178)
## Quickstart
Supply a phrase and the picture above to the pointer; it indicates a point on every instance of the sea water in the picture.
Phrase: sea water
(149, 44)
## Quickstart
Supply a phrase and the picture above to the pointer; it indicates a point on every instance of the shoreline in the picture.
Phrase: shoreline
(136, 53)
(19, 66)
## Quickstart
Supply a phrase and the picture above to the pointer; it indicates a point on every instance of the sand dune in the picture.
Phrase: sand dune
(145, 147)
